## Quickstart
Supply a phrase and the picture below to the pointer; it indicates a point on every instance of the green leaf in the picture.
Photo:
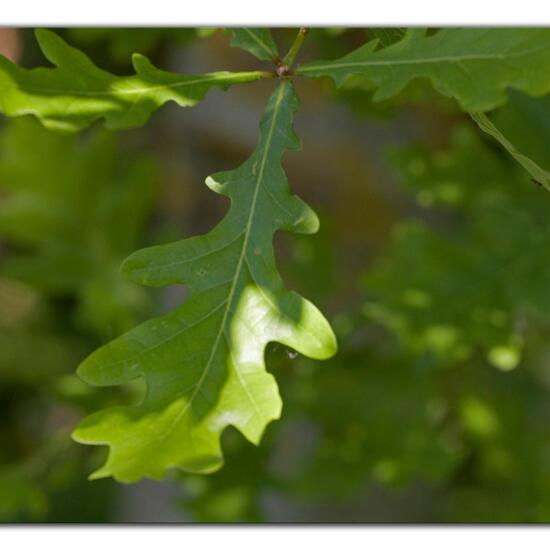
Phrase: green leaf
(76, 92)
(258, 42)
(203, 362)
(539, 174)
(522, 127)
(474, 66)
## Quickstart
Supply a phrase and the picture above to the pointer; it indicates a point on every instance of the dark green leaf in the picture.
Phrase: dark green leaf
(203, 362)
(258, 42)
(473, 65)
(522, 127)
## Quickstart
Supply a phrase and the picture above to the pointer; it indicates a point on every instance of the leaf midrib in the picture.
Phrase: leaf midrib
(238, 269)
(259, 41)
(229, 77)
(381, 62)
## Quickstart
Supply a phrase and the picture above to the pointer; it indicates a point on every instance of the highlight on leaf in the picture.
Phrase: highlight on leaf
(76, 92)
(203, 362)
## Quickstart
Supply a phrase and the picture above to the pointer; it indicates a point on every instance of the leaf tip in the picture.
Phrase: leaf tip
(101, 474)
(141, 63)
(76, 434)
(47, 39)
(42, 34)
(328, 346)
(82, 371)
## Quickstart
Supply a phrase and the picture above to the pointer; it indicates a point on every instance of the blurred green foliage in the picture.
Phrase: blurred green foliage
(70, 210)
(73, 209)
(121, 43)
(478, 282)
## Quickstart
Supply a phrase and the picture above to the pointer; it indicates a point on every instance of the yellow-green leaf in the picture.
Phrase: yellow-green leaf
(76, 92)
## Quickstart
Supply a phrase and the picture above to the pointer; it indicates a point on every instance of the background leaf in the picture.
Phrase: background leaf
(522, 127)
(258, 42)
(473, 65)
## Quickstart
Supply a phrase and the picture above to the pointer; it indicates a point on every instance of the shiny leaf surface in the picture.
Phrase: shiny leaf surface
(76, 92)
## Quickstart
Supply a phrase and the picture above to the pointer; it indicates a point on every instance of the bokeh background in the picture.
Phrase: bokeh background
(431, 263)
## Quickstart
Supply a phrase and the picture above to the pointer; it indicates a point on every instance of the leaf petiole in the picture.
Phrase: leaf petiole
(295, 48)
